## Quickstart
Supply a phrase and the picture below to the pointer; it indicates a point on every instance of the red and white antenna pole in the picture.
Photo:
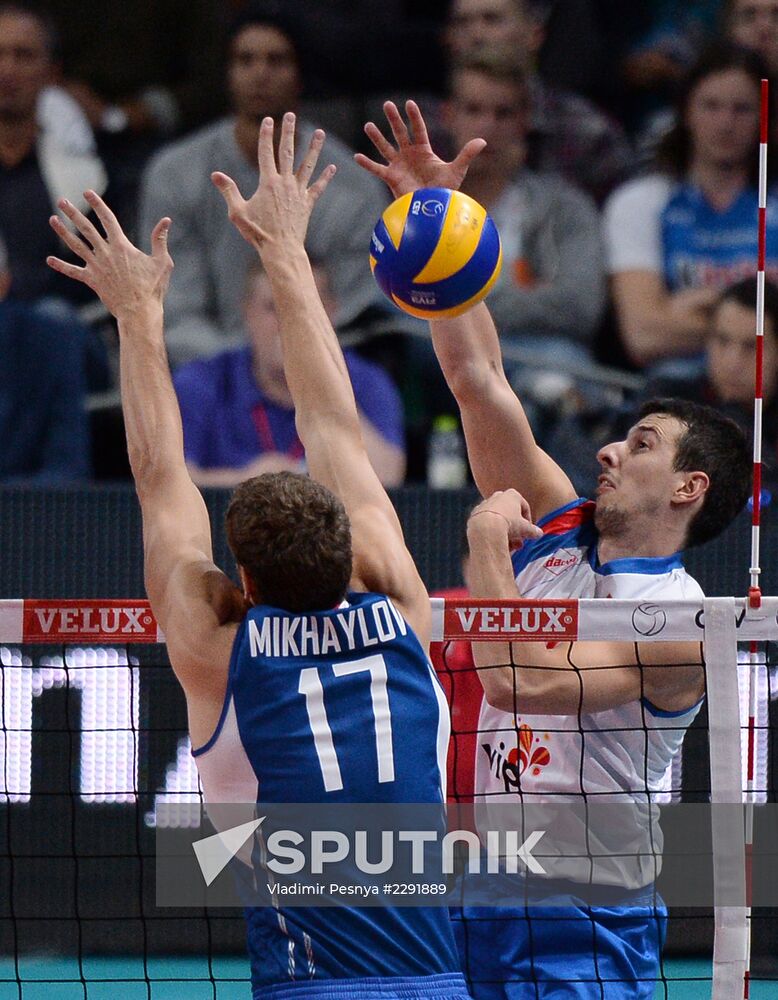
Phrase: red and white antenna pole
(754, 590)
(755, 593)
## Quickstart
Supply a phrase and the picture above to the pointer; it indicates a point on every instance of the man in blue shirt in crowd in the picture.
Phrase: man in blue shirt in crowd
(237, 409)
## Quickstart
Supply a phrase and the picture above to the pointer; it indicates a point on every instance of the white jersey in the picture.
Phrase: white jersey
(579, 762)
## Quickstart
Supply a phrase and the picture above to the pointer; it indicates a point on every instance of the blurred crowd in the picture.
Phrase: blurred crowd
(621, 170)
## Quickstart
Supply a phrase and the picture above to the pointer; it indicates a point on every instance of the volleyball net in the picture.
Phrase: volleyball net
(94, 756)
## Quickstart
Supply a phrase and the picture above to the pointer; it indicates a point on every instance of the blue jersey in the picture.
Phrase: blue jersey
(337, 706)
(703, 247)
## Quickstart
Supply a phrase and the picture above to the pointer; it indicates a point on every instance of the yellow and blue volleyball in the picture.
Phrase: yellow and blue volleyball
(435, 253)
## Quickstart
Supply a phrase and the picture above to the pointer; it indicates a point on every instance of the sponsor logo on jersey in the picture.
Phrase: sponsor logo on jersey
(561, 560)
(529, 756)
(65, 621)
(531, 620)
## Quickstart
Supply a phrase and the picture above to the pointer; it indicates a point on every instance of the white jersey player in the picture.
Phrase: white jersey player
(678, 479)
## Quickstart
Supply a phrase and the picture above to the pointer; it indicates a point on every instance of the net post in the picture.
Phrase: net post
(730, 949)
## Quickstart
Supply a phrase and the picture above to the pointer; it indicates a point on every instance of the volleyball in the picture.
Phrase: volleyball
(435, 253)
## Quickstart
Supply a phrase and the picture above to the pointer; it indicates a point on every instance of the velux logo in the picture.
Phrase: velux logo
(67, 620)
(529, 620)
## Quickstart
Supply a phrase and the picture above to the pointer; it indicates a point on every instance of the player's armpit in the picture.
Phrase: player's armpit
(589, 676)
(200, 611)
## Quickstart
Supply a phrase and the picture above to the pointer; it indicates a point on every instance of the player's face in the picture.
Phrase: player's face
(24, 65)
(495, 110)
(476, 23)
(754, 24)
(731, 354)
(723, 118)
(264, 78)
(638, 481)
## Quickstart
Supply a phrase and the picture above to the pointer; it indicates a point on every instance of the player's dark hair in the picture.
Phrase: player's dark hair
(744, 293)
(715, 445)
(47, 25)
(675, 150)
(293, 538)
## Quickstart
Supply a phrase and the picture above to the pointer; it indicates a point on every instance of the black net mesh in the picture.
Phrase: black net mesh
(92, 740)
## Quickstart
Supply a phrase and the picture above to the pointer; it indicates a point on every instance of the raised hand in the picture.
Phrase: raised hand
(412, 163)
(281, 206)
(509, 511)
(125, 278)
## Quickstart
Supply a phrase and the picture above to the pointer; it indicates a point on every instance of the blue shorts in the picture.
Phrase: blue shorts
(448, 986)
(570, 952)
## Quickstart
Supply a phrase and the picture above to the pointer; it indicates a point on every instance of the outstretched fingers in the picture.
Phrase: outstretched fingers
(324, 178)
(381, 143)
(265, 154)
(159, 235)
(286, 144)
(236, 208)
(468, 153)
(228, 189)
(69, 270)
(311, 158)
(69, 238)
(109, 221)
(397, 125)
(377, 169)
(418, 124)
(82, 224)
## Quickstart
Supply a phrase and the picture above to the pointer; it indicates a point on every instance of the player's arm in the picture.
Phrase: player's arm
(501, 447)
(569, 677)
(274, 221)
(190, 596)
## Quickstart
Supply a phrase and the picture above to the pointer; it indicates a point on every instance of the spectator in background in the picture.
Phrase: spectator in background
(675, 33)
(44, 433)
(568, 134)
(60, 114)
(754, 25)
(675, 238)
(370, 46)
(203, 308)
(142, 67)
(578, 59)
(552, 288)
(730, 360)
(35, 170)
(237, 409)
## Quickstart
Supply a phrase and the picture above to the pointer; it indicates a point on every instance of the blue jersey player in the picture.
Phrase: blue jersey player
(312, 684)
